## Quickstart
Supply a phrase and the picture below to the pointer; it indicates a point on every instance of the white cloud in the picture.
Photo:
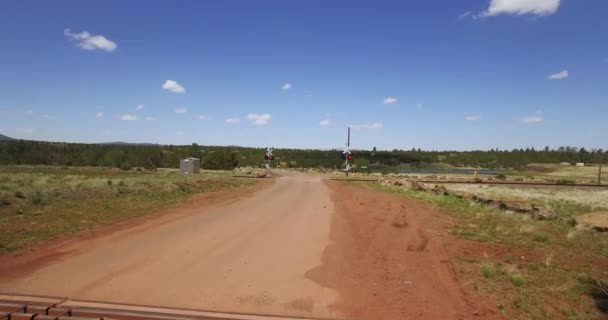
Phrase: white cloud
(181, 110)
(99, 115)
(559, 76)
(464, 15)
(149, 118)
(48, 117)
(173, 86)
(389, 100)
(88, 41)
(474, 117)
(202, 117)
(375, 125)
(326, 122)
(521, 7)
(233, 120)
(259, 119)
(128, 117)
(140, 107)
(286, 86)
(533, 119)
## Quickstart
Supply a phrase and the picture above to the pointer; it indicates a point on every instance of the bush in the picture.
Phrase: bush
(125, 166)
(37, 198)
(121, 183)
(501, 177)
(19, 194)
(541, 237)
(220, 160)
(518, 280)
(488, 270)
(110, 183)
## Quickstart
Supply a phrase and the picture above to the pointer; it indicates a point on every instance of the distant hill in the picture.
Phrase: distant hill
(3, 137)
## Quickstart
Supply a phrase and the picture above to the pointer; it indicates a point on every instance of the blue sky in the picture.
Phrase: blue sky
(433, 74)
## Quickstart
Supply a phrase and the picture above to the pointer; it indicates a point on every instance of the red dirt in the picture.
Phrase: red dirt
(389, 260)
(39, 255)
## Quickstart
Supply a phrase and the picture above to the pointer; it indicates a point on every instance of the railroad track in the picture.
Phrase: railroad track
(21, 307)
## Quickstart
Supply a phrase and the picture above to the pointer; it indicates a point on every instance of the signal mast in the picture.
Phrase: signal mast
(347, 155)
(268, 157)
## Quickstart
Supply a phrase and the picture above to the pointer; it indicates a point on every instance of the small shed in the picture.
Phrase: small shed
(190, 166)
(580, 164)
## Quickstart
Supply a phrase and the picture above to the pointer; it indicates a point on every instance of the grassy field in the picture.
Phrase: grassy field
(550, 172)
(546, 196)
(40, 203)
(549, 269)
(555, 171)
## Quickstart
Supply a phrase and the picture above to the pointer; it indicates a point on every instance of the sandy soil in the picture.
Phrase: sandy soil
(248, 256)
(302, 246)
(388, 260)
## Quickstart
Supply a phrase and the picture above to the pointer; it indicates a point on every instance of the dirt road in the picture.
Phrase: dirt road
(302, 246)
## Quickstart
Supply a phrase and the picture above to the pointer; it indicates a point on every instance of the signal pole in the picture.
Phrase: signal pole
(268, 157)
(346, 155)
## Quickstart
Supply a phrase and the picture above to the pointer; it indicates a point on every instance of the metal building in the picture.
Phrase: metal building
(190, 166)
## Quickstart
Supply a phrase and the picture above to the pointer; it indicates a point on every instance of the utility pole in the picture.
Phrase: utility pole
(599, 174)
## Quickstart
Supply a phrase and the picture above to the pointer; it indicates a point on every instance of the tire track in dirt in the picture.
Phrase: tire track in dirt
(388, 260)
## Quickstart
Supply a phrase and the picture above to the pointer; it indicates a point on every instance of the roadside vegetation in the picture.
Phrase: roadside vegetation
(567, 200)
(126, 156)
(535, 269)
(40, 203)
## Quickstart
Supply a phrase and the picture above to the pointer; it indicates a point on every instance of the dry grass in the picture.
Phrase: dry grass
(40, 203)
(554, 268)
(591, 199)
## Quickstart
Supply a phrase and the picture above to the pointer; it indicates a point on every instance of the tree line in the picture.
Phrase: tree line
(127, 156)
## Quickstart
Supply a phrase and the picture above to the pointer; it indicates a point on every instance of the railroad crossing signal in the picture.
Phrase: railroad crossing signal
(268, 157)
(346, 155)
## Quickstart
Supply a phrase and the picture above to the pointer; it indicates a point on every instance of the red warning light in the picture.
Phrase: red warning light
(349, 157)
(271, 158)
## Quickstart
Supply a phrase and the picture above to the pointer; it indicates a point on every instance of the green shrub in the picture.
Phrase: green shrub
(519, 303)
(19, 194)
(121, 183)
(541, 237)
(488, 270)
(501, 177)
(37, 198)
(125, 166)
(518, 280)
(109, 182)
